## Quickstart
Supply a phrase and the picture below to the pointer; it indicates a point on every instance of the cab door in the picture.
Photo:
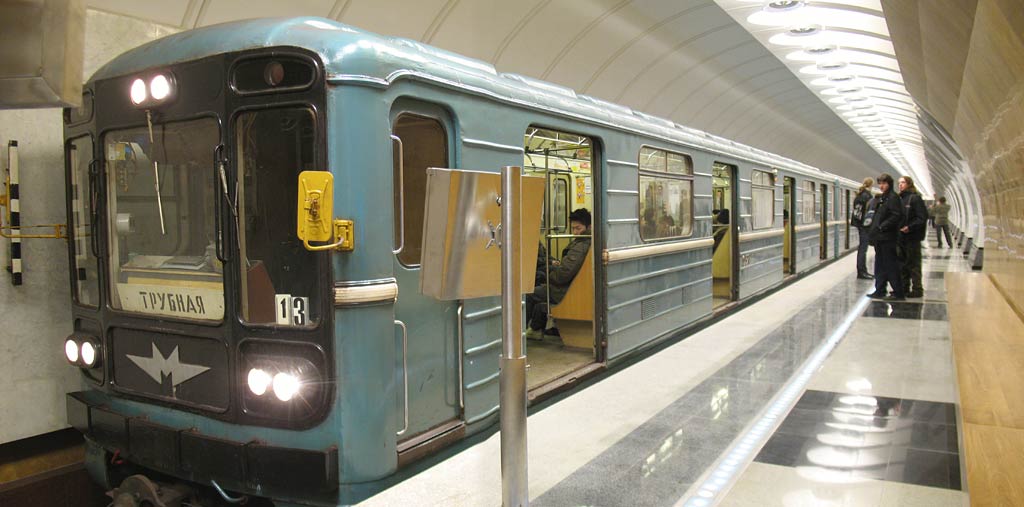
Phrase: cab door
(427, 328)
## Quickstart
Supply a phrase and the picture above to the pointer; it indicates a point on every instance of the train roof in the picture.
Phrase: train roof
(352, 55)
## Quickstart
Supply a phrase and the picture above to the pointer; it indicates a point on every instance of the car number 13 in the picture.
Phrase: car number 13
(291, 311)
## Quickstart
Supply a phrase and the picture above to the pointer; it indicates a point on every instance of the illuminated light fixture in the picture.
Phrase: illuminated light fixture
(138, 91)
(849, 89)
(833, 65)
(88, 354)
(71, 351)
(855, 98)
(286, 386)
(821, 50)
(160, 87)
(804, 30)
(258, 381)
(784, 5)
(841, 77)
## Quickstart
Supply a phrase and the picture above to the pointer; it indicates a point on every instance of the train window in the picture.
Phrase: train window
(762, 192)
(160, 205)
(425, 144)
(560, 205)
(808, 202)
(82, 194)
(666, 194)
(279, 277)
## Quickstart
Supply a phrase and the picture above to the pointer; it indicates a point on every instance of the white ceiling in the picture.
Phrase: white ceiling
(686, 60)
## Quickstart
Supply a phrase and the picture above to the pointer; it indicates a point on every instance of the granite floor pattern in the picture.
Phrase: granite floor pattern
(658, 462)
(878, 424)
(869, 437)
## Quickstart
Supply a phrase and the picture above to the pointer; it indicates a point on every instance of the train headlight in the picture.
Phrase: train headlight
(83, 350)
(286, 386)
(160, 87)
(283, 381)
(71, 351)
(88, 354)
(259, 381)
(138, 91)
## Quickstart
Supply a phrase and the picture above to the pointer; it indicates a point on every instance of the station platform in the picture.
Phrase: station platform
(814, 395)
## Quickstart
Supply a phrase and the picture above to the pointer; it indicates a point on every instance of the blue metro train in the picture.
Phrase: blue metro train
(224, 352)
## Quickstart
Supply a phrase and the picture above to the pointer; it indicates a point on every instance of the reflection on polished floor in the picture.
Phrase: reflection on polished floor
(876, 425)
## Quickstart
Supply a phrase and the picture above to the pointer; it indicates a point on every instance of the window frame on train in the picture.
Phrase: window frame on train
(808, 187)
(413, 182)
(759, 188)
(660, 176)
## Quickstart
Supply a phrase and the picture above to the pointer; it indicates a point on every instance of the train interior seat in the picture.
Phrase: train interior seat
(575, 314)
(721, 265)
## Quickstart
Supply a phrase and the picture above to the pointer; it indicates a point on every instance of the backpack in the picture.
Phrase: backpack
(857, 219)
(869, 217)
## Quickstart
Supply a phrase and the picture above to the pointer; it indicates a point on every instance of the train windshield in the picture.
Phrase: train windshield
(161, 195)
(279, 280)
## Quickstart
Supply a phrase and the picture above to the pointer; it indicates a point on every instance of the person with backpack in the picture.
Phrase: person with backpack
(860, 208)
(915, 220)
(885, 219)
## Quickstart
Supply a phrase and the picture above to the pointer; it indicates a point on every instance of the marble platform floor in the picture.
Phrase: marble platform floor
(877, 424)
(649, 433)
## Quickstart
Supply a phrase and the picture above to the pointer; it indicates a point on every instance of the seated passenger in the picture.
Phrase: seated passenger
(561, 274)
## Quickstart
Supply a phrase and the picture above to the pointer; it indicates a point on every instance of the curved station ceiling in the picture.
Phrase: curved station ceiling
(713, 66)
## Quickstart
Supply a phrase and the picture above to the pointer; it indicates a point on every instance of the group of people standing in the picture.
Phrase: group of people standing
(895, 224)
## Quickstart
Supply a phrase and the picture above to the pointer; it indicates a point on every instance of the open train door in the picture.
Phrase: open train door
(564, 346)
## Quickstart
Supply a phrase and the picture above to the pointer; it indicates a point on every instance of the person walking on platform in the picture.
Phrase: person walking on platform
(886, 218)
(860, 208)
(940, 213)
(915, 223)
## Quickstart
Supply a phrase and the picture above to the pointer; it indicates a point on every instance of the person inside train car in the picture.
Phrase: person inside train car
(886, 218)
(560, 275)
(915, 219)
(860, 208)
(720, 227)
(940, 214)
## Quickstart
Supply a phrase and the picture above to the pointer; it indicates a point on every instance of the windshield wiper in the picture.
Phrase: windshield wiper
(156, 175)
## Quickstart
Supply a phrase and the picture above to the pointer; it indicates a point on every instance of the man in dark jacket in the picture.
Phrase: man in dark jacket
(886, 219)
(560, 275)
(860, 208)
(915, 220)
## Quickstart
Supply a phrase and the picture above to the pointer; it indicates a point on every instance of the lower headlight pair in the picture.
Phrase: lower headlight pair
(283, 380)
(284, 385)
(82, 351)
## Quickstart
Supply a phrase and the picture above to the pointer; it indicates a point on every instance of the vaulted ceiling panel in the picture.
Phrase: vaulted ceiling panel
(400, 18)
(214, 12)
(547, 32)
(166, 12)
(462, 30)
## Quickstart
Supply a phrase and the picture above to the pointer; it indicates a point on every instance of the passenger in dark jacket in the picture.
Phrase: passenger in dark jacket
(560, 275)
(860, 208)
(886, 219)
(915, 220)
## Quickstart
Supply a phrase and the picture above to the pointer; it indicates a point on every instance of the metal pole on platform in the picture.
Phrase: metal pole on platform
(514, 491)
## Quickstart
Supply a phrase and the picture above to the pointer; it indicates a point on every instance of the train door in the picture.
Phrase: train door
(723, 228)
(561, 340)
(846, 219)
(825, 203)
(788, 239)
(427, 364)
